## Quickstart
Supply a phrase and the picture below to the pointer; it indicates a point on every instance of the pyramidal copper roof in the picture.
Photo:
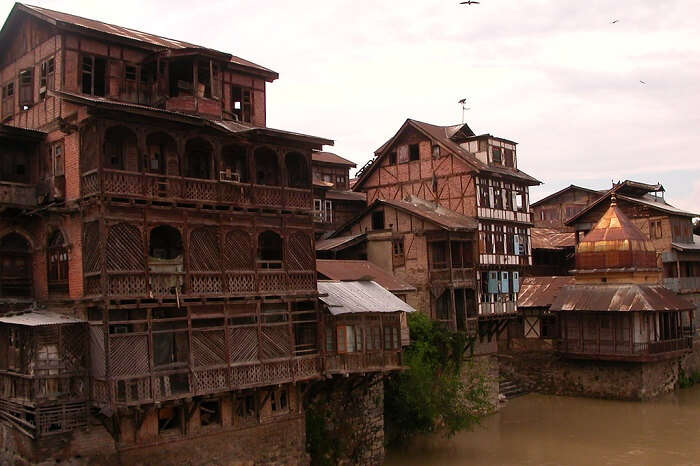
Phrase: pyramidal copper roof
(615, 242)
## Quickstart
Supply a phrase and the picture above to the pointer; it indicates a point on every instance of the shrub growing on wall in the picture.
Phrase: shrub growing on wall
(431, 395)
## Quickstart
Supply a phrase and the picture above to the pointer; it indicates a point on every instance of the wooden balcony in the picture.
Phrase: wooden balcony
(683, 284)
(463, 276)
(498, 308)
(193, 191)
(346, 363)
(624, 350)
(215, 283)
(17, 194)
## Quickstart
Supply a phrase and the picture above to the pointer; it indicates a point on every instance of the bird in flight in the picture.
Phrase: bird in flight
(642, 81)
(463, 101)
(469, 2)
(614, 21)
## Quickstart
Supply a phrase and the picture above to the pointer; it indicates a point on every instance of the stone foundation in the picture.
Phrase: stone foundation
(349, 417)
(486, 367)
(546, 372)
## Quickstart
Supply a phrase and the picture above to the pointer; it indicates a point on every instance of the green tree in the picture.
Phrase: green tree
(432, 395)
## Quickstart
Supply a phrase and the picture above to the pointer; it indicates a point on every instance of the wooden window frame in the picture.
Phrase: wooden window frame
(58, 166)
(26, 88)
(47, 77)
(245, 112)
(8, 99)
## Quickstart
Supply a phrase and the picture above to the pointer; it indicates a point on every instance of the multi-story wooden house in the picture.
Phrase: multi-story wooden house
(334, 202)
(157, 269)
(475, 177)
(553, 211)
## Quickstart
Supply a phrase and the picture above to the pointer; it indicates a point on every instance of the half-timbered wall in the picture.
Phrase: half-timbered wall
(554, 212)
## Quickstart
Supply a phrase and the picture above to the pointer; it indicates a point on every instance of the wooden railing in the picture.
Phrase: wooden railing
(596, 347)
(362, 362)
(33, 389)
(18, 194)
(453, 275)
(166, 188)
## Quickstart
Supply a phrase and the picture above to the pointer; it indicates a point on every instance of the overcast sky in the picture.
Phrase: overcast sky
(554, 75)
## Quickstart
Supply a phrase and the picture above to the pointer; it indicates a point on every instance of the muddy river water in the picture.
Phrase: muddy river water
(550, 430)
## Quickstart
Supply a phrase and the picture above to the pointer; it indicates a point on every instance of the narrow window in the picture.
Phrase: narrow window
(242, 103)
(279, 401)
(496, 155)
(378, 220)
(130, 73)
(47, 78)
(510, 159)
(246, 409)
(399, 259)
(210, 413)
(392, 158)
(57, 156)
(26, 88)
(436, 151)
(93, 75)
(413, 152)
(8, 100)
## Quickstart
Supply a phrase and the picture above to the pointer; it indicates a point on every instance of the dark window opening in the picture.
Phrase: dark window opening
(120, 151)
(242, 103)
(26, 88)
(497, 198)
(442, 306)
(496, 155)
(204, 80)
(13, 164)
(392, 158)
(58, 161)
(15, 266)
(170, 419)
(210, 413)
(266, 167)
(378, 220)
(462, 254)
(246, 408)
(199, 159)
(165, 243)
(234, 164)
(438, 255)
(269, 250)
(161, 157)
(8, 100)
(413, 152)
(181, 78)
(298, 174)
(279, 401)
(57, 262)
(47, 77)
(94, 75)
(130, 73)
(510, 159)
(170, 349)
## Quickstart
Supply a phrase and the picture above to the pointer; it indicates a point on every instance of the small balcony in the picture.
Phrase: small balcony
(17, 194)
(363, 362)
(193, 191)
(463, 276)
(624, 350)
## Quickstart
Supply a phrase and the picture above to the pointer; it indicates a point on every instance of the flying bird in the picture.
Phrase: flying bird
(614, 21)
(469, 2)
(463, 101)
(642, 81)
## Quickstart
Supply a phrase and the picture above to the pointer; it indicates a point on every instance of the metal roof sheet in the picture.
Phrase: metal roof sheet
(549, 238)
(339, 242)
(358, 270)
(618, 298)
(38, 318)
(539, 292)
(359, 296)
(345, 195)
(694, 246)
(434, 213)
(329, 157)
(571, 187)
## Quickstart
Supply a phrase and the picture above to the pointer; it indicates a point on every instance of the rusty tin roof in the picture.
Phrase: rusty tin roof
(359, 296)
(329, 157)
(358, 270)
(618, 298)
(549, 238)
(539, 292)
(38, 318)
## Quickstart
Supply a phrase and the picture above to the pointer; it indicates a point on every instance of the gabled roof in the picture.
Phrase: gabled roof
(339, 243)
(443, 135)
(428, 211)
(540, 292)
(571, 187)
(694, 246)
(143, 39)
(359, 297)
(618, 298)
(337, 195)
(358, 270)
(329, 157)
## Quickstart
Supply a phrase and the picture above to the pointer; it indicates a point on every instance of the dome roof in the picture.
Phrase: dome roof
(615, 243)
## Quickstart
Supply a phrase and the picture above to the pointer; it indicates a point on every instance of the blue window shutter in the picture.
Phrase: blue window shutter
(493, 282)
(504, 283)
(516, 282)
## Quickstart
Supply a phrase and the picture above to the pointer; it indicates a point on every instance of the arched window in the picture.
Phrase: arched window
(198, 159)
(57, 263)
(269, 250)
(165, 242)
(298, 173)
(235, 163)
(15, 266)
(120, 149)
(266, 168)
(161, 155)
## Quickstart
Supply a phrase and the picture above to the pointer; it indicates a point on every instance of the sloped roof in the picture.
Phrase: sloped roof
(571, 187)
(539, 292)
(694, 246)
(359, 296)
(15, 132)
(338, 195)
(549, 238)
(38, 318)
(340, 242)
(329, 157)
(618, 298)
(359, 270)
(443, 135)
(64, 20)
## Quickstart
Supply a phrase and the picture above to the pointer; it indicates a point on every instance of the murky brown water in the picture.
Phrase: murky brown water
(549, 430)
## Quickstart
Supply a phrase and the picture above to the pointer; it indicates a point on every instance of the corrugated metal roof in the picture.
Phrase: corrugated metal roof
(332, 243)
(434, 213)
(539, 292)
(38, 318)
(329, 157)
(694, 246)
(336, 195)
(549, 238)
(358, 270)
(618, 298)
(359, 296)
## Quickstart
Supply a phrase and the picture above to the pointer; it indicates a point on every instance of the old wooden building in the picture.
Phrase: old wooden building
(554, 210)
(157, 267)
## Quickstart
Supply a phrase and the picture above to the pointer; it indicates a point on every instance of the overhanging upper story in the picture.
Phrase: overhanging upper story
(20, 181)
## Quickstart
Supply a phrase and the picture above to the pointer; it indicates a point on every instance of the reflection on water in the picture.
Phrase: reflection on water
(549, 430)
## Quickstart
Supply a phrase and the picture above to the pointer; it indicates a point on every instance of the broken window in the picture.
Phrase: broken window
(246, 409)
(279, 401)
(13, 163)
(47, 77)
(26, 88)
(378, 220)
(297, 170)
(93, 75)
(210, 413)
(120, 151)
(242, 103)
(165, 243)
(269, 250)
(198, 156)
(436, 151)
(520, 202)
(413, 152)
(15, 266)
(181, 77)
(266, 168)
(392, 158)
(57, 158)
(57, 262)
(496, 155)
(8, 100)
(234, 164)
(130, 73)
(484, 199)
(509, 158)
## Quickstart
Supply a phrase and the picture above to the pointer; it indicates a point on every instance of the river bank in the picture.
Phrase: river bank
(541, 429)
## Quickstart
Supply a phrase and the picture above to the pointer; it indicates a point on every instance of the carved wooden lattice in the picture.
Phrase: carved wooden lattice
(125, 251)
(209, 381)
(238, 251)
(204, 250)
(91, 247)
(243, 344)
(301, 256)
(128, 355)
(97, 351)
(88, 148)
(208, 348)
(122, 183)
(240, 282)
(275, 342)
